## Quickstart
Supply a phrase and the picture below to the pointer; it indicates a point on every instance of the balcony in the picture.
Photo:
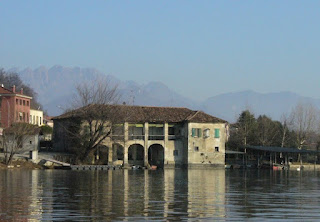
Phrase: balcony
(156, 137)
(118, 137)
(172, 137)
(136, 137)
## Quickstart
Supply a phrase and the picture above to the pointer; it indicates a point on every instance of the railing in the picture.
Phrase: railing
(156, 137)
(118, 137)
(141, 137)
(136, 137)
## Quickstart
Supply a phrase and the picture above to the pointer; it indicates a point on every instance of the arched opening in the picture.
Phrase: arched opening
(156, 155)
(101, 155)
(117, 154)
(136, 154)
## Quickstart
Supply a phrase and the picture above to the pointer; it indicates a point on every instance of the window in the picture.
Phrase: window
(0, 101)
(216, 149)
(206, 133)
(117, 129)
(24, 102)
(196, 148)
(30, 142)
(20, 102)
(27, 103)
(24, 117)
(40, 121)
(17, 101)
(171, 130)
(196, 132)
(17, 115)
(175, 153)
(216, 133)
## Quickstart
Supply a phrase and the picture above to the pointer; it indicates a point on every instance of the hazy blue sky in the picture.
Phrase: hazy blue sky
(198, 48)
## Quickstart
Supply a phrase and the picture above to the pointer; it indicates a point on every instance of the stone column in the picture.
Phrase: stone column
(166, 139)
(146, 139)
(125, 147)
(110, 154)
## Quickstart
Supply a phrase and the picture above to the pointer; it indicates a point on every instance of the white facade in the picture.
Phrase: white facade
(36, 117)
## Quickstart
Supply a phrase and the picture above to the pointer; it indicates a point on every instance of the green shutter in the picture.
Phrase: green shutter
(216, 133)
(199, 134)
(193, 133)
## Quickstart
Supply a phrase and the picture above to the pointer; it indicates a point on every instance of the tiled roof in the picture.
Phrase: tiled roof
(5, 91)
(151, 114)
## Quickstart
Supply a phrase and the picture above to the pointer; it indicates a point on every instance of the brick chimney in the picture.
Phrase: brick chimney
(21, 91)
(14, 88)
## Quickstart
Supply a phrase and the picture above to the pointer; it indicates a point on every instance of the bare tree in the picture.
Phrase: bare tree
(286, 124)
(92, 115)
(304, 122)
(15, 137)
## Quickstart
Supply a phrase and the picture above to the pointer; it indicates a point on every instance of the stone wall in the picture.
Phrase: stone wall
(206, 149)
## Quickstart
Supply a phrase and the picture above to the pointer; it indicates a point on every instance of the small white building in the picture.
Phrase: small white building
(36, 117)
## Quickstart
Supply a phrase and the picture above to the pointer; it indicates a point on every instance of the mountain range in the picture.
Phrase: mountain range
(56, 85)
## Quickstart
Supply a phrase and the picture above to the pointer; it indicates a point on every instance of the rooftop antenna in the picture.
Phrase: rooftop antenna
(132, 97)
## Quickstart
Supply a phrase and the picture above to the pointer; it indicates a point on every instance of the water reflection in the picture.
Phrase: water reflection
(173, 195)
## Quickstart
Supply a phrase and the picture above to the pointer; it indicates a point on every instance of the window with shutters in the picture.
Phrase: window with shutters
(216, 133)
(196, 132)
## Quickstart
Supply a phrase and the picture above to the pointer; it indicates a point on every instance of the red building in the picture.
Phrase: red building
(14, 106)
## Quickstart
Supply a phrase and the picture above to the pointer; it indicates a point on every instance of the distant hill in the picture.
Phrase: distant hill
(55, 87)
(230, 105)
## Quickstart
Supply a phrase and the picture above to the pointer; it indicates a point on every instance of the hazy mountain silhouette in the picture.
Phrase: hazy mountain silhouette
(230, 105)
(55, 87)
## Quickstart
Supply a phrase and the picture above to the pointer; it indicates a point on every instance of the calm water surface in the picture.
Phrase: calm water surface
(169, 195)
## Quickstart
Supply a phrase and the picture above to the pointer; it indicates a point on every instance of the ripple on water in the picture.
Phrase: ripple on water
(169, 195)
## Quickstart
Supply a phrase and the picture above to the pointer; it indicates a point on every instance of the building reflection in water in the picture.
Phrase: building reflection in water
(112, 195)
(206, 193)
(174, 194)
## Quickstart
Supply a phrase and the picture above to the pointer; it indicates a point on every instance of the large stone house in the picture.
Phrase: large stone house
(161, 136)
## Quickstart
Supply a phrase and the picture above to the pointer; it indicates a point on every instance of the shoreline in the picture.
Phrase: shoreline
(22, 164)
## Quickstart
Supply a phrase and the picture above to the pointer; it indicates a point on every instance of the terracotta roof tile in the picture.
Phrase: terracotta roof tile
(151, 114)
(5, 91)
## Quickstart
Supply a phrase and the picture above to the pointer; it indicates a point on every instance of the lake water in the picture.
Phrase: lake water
(168, 195)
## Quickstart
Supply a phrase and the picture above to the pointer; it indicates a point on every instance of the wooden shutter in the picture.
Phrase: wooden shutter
(216, 133)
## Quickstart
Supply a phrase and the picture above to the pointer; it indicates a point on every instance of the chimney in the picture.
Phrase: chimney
(14, 88)
(21, 91)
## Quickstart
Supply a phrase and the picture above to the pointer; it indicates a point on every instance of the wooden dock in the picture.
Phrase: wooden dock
(94, 167)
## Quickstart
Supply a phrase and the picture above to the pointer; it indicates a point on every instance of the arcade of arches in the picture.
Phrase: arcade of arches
(136, 155)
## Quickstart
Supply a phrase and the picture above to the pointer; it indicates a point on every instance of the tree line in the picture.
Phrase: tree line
(298, 129)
